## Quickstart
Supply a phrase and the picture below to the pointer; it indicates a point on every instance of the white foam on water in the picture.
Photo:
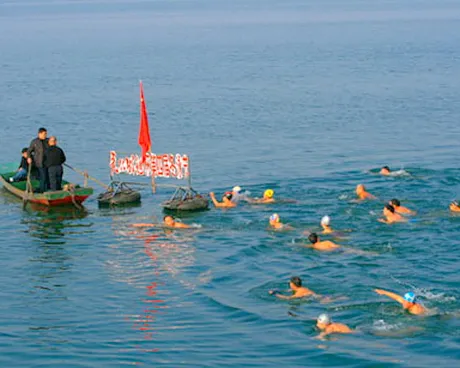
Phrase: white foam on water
(441, 297)
(381, 325)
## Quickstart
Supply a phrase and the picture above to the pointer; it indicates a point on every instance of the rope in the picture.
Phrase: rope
(86, 176)
(29, 188)
(71, 191)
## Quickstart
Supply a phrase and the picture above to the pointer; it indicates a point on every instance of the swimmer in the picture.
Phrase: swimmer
(267, 198)
(326, 225)
(385, 171)
(236, 194)
(168, 221)
(317, 244)
(276, 224)
(391, 216)
(226, 200)
(144, 225)
(298, 291)
(362, 193)
(327, 327)
(454, 206)
(401, 209)
(409, 301)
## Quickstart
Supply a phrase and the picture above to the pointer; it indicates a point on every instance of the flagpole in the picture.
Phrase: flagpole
(154, 187)
(189, 174)
(144, 135)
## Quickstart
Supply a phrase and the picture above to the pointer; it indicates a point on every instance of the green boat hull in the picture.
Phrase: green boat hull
(57, 198)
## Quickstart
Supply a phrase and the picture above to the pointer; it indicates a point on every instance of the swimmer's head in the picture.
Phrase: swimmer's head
(455, 204)
(269, 193)
(236, 189)
(275, 218)
(323, 321)
(385, 170)
(228, 196)
(410, 297)
(295, 282)
(395, 203)
(360, 188)
(326, 221)
(168, 220)
(313, 238)
(388, 209)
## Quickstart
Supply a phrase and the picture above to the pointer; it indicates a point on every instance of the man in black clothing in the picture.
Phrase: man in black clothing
(36, 153)
(54, 158)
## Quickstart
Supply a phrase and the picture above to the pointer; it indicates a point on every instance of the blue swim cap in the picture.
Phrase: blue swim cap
(410, 297)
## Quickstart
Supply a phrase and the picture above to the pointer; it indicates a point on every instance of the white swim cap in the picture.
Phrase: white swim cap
(326, 220)
(324, 319)
(236, 189)
(275, 217)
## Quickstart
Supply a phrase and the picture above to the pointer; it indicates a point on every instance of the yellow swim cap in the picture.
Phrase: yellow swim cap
(269, 193)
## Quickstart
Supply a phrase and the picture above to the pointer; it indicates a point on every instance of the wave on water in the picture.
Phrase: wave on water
(397, 329)
(438, 297)
(401, 172)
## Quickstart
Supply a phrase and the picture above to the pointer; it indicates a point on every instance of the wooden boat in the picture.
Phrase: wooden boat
(75, 194)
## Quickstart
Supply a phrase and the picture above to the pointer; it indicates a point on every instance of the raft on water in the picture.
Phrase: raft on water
(186, 199)
(73, 195)
(118, 194)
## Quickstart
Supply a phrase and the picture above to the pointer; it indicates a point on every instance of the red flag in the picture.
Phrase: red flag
(144, 133)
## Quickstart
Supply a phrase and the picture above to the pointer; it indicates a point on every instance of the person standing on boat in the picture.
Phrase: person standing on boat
(54, 158)
(36, 154)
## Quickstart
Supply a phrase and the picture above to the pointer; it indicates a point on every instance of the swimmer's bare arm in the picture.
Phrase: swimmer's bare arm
(322, 335)
(180, 225)
(391, 295)
(325, 333)
(144, 225)
(214, 200)
(285, 297)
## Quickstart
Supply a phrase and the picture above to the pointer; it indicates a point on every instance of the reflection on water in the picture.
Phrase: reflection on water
(146, 259)
(49, 261)
(52, 224)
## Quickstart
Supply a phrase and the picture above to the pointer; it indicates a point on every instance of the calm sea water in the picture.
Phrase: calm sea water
(306, 98)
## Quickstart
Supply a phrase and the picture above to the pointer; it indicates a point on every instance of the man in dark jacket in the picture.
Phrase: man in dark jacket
(54, 158)
(36, 153)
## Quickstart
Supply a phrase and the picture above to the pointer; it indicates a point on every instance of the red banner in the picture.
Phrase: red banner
(160, 166)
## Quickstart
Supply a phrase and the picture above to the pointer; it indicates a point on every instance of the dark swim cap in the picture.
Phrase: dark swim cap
(228, 195)
(313, 238)
(390, 208)
(395, 202)
(296, 281)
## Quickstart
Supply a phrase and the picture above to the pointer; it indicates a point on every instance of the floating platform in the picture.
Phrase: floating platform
(186, 199)
(118, 194)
